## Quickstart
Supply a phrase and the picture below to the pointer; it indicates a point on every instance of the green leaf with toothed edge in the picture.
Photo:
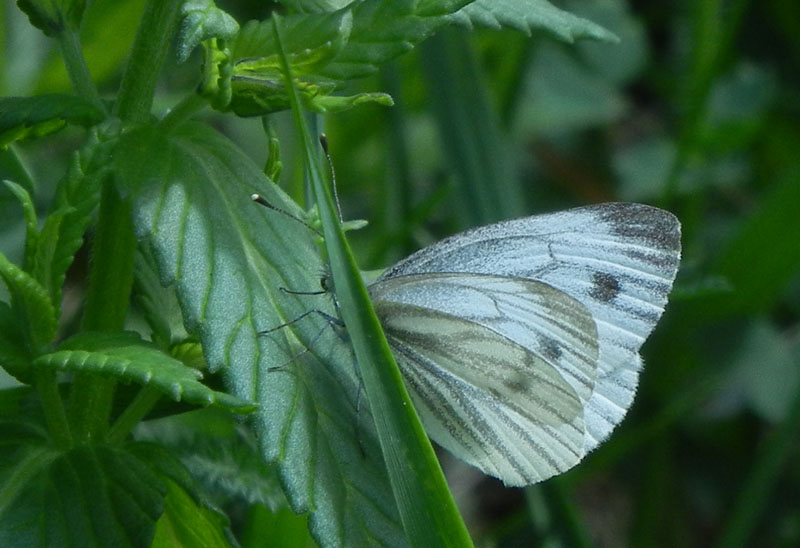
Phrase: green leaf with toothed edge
(228, 260)
(127, 358)
(90, 495)
(31, 305)
(327, 48)
(35, 117)
(530, 15)
(97, 495)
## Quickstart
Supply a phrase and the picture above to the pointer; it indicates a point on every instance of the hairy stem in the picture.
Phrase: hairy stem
(153, 38)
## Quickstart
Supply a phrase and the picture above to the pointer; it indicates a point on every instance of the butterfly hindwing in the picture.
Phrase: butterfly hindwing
(500, 368)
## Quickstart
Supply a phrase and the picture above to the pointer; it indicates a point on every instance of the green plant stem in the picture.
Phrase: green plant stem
(136, 411)
(153, 38)
(111, 273)
(107, 298)
(183, 111)
(54, 412)
(78, 71)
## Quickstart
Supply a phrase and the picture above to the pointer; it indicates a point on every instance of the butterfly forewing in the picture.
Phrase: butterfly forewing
(499, 368)
(617, 260)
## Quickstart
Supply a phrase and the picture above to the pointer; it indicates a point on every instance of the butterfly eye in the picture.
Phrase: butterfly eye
(324, 283)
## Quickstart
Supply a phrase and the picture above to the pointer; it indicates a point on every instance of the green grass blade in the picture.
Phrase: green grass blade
(427, 509)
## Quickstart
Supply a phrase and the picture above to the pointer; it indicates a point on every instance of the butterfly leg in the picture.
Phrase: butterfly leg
(332, 321)
(294, 358)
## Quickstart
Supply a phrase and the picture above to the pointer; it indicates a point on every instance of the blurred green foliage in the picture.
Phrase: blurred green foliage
(696, 110)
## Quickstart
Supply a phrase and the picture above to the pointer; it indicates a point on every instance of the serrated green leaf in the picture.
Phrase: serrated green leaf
(186, 524)
(126, 357)
(76, 197)
(430, 8)
(221, 453)
(310, 6)
(42, 14)
(381, 31)
(90, 496)
(202, 20)
(258, 86)
(165, 463)
(23, 452)
(31, 304)
(228, 259)
(314, 39)
(31, 221)
(326, 49)
(157, 302)
(189, 518)
(530, 15)
(34, 117)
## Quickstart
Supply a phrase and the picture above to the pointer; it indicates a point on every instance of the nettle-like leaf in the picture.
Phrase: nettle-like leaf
(312, 41)
(310, 6)
(91, 496)
(326, 49)
(126, 357)
(530, 15)
(77, 194)
(158, 304)
(257, 82)
(230, 261)
(50, 16)
(189, 518)
(33, 117)
(31, 220)
(186, 523)
(31, 305)
(383, 30)
(221, 453)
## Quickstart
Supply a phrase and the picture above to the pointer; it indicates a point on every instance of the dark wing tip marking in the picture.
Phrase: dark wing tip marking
(659, 228)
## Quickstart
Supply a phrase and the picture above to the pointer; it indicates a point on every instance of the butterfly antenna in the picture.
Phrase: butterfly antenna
(259, 199)
(323, 140)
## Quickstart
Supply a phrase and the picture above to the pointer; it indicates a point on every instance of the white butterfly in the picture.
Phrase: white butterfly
(519, 341)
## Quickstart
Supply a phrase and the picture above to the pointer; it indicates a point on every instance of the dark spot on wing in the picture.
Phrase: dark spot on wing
(550, 349)
(519, 384)
(604, 287)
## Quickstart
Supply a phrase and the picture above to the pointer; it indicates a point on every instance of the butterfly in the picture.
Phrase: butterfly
(519, 341)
